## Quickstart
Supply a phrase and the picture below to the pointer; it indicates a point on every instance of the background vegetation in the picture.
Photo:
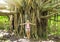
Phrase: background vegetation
(4, 23)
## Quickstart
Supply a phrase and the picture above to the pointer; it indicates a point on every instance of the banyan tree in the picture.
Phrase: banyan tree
(37, 12)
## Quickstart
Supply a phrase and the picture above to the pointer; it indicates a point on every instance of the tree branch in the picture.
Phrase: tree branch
(48, 15)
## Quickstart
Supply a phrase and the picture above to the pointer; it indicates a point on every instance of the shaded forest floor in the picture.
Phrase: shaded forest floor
(6, 37)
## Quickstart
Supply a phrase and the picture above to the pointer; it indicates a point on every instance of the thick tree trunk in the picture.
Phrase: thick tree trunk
(15, 24)
(43, 24)
(11, 25)
(32, 13)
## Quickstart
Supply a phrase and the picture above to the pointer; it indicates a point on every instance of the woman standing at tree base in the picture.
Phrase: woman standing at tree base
(27, 28)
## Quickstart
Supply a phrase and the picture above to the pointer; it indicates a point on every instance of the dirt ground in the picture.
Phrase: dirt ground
(4, 35)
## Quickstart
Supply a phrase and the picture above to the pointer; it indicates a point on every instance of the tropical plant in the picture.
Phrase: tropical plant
(38, 12)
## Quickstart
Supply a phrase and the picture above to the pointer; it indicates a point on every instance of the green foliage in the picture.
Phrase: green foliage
(4, 23)
(54, 25)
